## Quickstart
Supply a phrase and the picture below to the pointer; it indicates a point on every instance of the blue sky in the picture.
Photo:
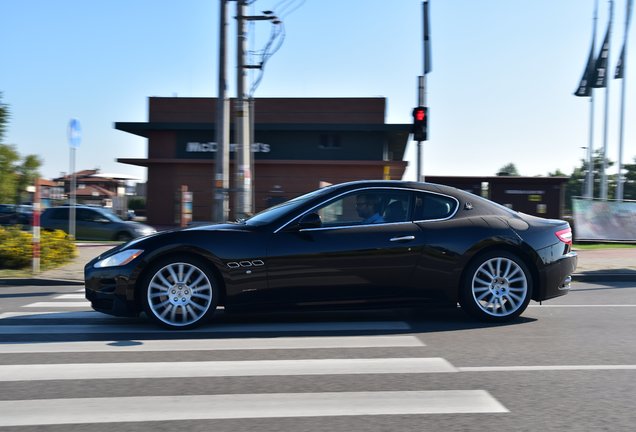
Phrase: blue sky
(500, 90)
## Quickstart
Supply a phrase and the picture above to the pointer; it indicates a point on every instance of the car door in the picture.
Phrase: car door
(352, 256)
(92, 225)
(445, 238)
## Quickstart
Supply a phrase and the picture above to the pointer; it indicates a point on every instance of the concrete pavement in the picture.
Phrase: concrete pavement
(593, 265)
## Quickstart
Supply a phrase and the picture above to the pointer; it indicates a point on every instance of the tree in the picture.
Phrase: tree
(629, 187)
(9, 158)
(508, 170)
(15, 176)
(575, 187)
(4, 119)
(27, 173)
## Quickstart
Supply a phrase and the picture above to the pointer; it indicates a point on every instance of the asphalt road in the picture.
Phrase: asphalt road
(569, 364)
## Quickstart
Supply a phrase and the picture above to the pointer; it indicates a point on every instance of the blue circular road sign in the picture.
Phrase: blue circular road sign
(74, 133)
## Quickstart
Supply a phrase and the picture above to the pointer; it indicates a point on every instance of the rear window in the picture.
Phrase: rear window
(430, 206)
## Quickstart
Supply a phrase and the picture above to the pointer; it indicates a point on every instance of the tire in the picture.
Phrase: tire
(123, 236)
(179, 293)
(497, 287)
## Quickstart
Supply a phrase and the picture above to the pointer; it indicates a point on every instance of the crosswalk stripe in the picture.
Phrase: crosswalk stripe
(236, 406)
(321, 342)
(146, 327)
(147, 370)
(60, 304)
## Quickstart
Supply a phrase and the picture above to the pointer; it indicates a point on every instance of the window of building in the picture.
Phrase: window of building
(329, 142)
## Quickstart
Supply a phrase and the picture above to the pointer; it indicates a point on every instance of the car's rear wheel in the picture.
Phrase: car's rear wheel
(497, 287)
(180, 293)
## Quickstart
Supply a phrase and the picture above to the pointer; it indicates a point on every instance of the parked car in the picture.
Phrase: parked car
(11, 214)
(94, 223)
(368, 244)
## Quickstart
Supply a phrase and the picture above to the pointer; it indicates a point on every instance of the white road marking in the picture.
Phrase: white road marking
(146, 327)
(544, 368)
(70, 297)
(583, 306)
(148, 370)
(237, 406)
(82, 304)
(393, 341)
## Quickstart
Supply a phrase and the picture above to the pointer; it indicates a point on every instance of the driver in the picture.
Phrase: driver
(368, 208)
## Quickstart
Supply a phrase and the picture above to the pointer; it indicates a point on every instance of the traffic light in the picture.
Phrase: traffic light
(420, 123)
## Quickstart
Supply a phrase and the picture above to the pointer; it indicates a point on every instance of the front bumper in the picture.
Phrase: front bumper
(111, 290)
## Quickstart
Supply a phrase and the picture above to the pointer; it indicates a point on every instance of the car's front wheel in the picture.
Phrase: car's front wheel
(123, 236)
(497, 287)
(180, 293)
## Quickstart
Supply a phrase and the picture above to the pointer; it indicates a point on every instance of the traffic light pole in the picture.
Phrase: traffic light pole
(422, 135)
(421, 100)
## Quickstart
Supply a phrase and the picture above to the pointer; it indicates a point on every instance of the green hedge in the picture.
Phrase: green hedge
(16, 248)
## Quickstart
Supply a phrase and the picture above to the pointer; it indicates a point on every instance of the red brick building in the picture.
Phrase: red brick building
(299, 143)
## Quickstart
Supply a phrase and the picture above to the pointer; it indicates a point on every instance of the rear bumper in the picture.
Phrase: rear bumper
(555, 277)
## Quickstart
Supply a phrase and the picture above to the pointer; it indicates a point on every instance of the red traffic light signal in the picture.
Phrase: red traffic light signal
(420, 123)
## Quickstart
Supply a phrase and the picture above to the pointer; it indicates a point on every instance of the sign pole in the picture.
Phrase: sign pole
(74, 138)
(36, 228)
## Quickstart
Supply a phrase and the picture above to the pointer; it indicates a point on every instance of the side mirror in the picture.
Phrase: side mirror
(310, 220)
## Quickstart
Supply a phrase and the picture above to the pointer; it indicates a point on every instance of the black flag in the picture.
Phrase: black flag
(585, 86)
(600, 68)
(621, 59)
(619, 65)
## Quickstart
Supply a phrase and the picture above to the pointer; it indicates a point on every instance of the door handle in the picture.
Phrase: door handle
(403, 239)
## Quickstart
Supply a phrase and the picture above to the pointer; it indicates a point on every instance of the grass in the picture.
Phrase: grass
(601, 246)
(15, 274)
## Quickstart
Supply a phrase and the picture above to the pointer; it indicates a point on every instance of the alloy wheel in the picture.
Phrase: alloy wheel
(500, 287)
(179, 294)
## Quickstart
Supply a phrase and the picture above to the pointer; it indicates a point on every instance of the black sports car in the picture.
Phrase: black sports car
(367, 244)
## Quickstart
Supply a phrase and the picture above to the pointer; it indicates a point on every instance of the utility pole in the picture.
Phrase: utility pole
(243, 176)
(221, 212)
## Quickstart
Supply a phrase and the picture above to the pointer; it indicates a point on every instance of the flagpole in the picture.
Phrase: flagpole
(623, 75)
(605, 130)
(589, 190)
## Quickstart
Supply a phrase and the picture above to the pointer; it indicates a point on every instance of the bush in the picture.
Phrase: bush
(16, 248)
(137, 203)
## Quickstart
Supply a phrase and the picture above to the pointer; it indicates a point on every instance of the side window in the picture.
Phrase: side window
(86, 215)
(89, 215)
(370, 206)
(429, 206)
(59, 213)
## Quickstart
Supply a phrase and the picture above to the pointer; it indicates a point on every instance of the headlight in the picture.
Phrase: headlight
(145, 230)
(119, 259)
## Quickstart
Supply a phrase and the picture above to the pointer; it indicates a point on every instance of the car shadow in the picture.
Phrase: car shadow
(133, 331)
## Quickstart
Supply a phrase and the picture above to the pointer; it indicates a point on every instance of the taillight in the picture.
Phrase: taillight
(565, 236)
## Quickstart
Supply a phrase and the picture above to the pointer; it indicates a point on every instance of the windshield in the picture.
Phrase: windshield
(273, 213)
